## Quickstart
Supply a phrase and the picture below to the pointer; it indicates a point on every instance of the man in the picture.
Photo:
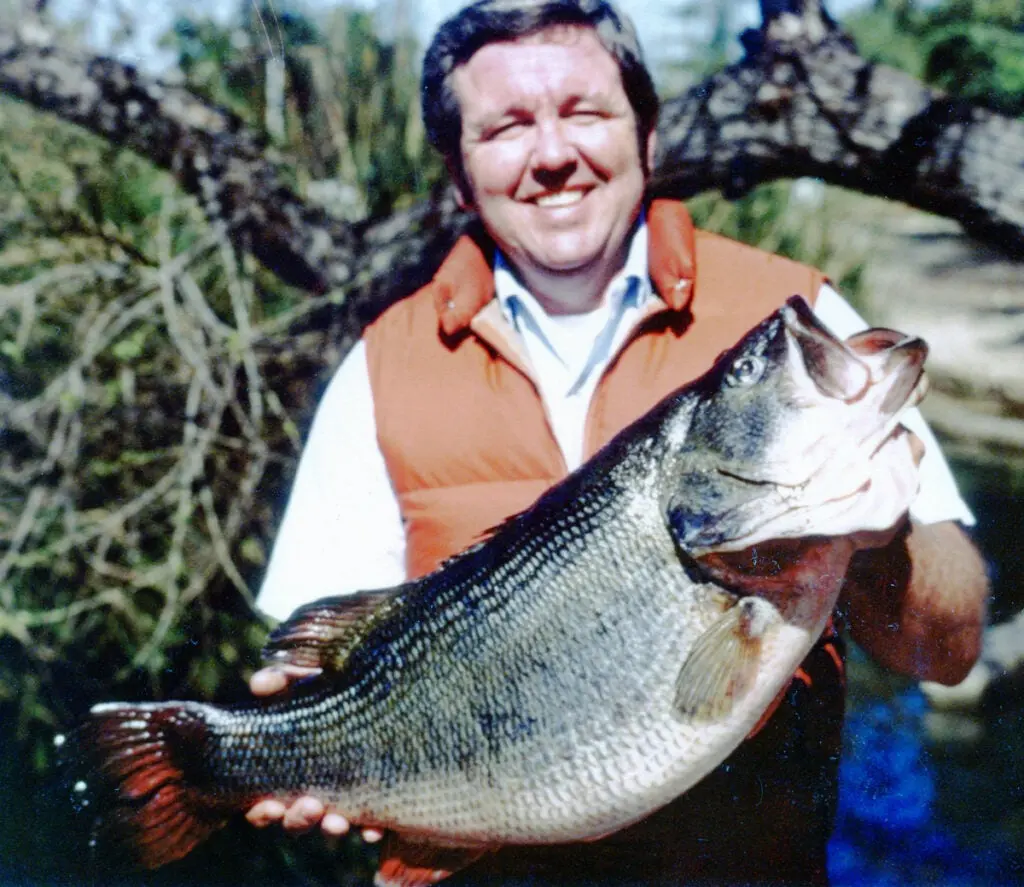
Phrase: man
(571, 312)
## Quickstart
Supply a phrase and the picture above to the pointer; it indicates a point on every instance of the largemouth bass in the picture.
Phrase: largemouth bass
(589, 661)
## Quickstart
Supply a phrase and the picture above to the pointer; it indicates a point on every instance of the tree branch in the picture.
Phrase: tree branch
(801, 103)
(208, 149)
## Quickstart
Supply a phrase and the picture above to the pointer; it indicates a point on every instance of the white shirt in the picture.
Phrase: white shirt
(342, 530)
(568, 352)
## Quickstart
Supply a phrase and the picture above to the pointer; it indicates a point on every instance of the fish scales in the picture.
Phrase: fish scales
(590, 659)
(557, 608)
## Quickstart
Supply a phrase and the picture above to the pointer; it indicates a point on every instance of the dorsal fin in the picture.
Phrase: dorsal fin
(407, 862)
(321, 634)
(481, 539)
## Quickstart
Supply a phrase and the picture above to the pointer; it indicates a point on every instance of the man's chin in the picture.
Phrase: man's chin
(566, 262)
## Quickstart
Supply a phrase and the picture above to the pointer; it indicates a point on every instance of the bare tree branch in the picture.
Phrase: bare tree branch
(208, 149)
(232, 173)
(801, 103)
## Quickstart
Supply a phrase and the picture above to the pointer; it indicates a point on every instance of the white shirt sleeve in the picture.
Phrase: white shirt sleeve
(938, 499)
(342, 530)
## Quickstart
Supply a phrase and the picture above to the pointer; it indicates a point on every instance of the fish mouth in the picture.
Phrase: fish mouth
(849, 370)
(879, 374)
(875, 500)
(853, 467)
(890, 431)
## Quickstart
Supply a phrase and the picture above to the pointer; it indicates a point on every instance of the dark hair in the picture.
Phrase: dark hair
(490, 21)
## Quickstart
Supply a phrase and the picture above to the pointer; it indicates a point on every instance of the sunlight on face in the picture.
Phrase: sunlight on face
(550, 152)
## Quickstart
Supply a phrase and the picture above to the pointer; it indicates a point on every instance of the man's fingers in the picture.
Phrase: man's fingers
(303, 815)
(334, 824)
(917, 447)
(265, 813)
(275, 678)
(267, 681)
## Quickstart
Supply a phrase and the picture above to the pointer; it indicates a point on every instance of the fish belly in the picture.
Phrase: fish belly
(615, 750)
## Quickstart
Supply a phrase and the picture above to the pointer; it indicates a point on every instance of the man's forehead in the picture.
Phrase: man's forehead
(481, 72)
(568, 35)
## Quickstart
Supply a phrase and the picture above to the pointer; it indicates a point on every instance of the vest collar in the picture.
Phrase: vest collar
(672, 252)
(465, 281)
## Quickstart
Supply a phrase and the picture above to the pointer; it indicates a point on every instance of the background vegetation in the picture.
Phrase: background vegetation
(150, 419)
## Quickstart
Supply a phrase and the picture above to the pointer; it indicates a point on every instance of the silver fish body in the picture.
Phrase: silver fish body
(594, 657)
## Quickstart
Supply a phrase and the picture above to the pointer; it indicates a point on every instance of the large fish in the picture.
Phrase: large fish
(592, 659)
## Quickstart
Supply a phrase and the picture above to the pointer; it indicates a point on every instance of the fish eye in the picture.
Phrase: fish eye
(746, 370)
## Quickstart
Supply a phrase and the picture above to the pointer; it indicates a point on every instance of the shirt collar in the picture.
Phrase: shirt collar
(516, 298)
(464, 284)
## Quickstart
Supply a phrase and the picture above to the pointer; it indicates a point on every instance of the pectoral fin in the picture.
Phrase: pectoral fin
(408, 863)
(320, 634)
(723, 663)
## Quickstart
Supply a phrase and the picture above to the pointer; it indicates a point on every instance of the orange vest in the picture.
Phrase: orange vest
(464, 433)
(460, 422)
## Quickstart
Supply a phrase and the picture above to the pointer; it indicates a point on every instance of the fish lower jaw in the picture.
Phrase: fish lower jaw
(837, 515)
(794, 518)
(851, 498)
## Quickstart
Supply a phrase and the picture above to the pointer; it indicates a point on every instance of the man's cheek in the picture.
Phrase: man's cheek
(611, 145)
(497, 167)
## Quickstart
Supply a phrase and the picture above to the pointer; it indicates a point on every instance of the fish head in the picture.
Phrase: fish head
(795, 433)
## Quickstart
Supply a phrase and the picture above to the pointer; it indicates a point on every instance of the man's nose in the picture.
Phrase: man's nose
(554, 158)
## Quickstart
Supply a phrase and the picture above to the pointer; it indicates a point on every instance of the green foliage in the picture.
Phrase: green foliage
(802, 221)
(153, 381)
(981, 62)
(213, 68)
(885, 35)
(340, 99)
(971, 48)
(141, 436)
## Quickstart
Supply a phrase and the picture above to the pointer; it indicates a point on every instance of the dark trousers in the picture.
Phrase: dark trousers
(763, 817)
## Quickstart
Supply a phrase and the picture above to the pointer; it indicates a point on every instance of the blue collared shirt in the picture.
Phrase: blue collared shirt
(569, 352)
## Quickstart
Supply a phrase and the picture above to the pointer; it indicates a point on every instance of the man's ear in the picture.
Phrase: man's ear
(463, 195)
(652, 150)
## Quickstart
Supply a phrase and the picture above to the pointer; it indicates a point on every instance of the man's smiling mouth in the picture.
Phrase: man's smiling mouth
(561, 198)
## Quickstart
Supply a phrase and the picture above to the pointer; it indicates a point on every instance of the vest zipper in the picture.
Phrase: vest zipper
(655, 307)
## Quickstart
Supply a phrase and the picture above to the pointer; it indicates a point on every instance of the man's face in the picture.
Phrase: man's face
(549, 150)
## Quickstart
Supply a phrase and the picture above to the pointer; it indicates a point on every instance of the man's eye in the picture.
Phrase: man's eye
(506, 130)
(746, 370)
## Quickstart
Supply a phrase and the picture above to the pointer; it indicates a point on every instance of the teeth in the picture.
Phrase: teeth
(562, 198)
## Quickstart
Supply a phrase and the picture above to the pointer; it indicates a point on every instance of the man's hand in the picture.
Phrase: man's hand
(301, 814)
(917, 605)
(916, 601)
